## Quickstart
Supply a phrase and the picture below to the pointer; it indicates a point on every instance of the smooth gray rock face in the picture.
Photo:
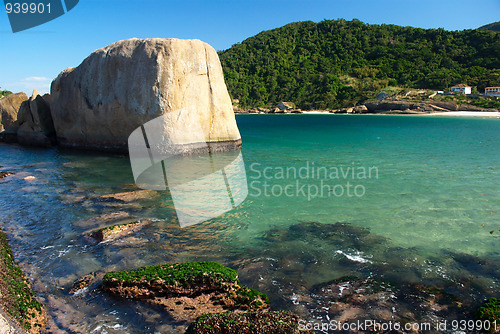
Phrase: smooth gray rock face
(118, 88)
(36, 127)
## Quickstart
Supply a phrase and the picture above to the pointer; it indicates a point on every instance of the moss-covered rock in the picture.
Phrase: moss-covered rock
(186, 290)
(118, 230)
(278, 322)
(16, 296)
(490, 311)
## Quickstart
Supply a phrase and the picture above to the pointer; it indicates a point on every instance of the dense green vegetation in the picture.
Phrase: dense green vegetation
(340, 63)
(4, 93)
(495, 26)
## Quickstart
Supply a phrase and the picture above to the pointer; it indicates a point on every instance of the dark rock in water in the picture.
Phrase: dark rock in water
(5, 174)
(130, 196)
(475, 264)
(186, 290)
(277, 322)
(130, 200)
(86, 282)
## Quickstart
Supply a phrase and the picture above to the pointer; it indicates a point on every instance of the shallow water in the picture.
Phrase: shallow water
(424, 215)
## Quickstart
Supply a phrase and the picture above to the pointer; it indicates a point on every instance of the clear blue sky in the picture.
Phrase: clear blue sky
(32, 58)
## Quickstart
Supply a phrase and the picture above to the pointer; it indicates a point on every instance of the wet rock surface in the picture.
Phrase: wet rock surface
(5, 174)
(390, 283)
(251, 322)
(117, 231)
(87, 282)
(186, 290)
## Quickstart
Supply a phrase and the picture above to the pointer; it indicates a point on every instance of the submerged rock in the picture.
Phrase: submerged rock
(120, 87)
(5, 174)
(119, 230)
(86, 282)
(130, 196)
(186, 290)
(102, 219)
(277, 322)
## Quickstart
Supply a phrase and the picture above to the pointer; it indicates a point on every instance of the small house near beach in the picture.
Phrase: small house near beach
(461, 88)
(492, 91)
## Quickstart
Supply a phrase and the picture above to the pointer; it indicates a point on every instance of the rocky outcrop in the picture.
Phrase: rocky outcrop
(360, 109)
(186, 290)
(122, 86)
(416, 107)
(382, 106)
(36, 127)
(9, 108)
(285, 106)
(443, 105)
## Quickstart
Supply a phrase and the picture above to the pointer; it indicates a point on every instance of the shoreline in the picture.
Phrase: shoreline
(446, 113)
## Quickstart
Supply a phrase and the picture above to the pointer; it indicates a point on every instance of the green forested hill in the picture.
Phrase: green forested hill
(337, 63)
(495, 26)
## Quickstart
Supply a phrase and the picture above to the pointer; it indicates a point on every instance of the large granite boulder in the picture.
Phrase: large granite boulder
(35, 122)
(9, 107)
(118, 88)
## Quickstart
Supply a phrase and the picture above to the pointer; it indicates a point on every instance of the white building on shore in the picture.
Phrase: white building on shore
(492, 91)
(461, 88)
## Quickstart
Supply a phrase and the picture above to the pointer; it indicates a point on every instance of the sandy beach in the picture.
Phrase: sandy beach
(447, 113)
(468, 113)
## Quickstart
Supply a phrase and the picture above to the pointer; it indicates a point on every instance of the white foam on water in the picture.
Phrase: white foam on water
(356, 256)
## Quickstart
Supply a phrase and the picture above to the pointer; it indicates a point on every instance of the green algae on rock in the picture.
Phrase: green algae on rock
(186, 290)
(490, 312)
(277, 322)
(16, 296)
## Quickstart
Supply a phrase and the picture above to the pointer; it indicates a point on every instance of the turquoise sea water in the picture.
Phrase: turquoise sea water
(430, 201)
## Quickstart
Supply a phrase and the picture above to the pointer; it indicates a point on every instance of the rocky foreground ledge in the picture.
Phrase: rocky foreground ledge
(206, 294)
(186, 290)
(20, 312)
